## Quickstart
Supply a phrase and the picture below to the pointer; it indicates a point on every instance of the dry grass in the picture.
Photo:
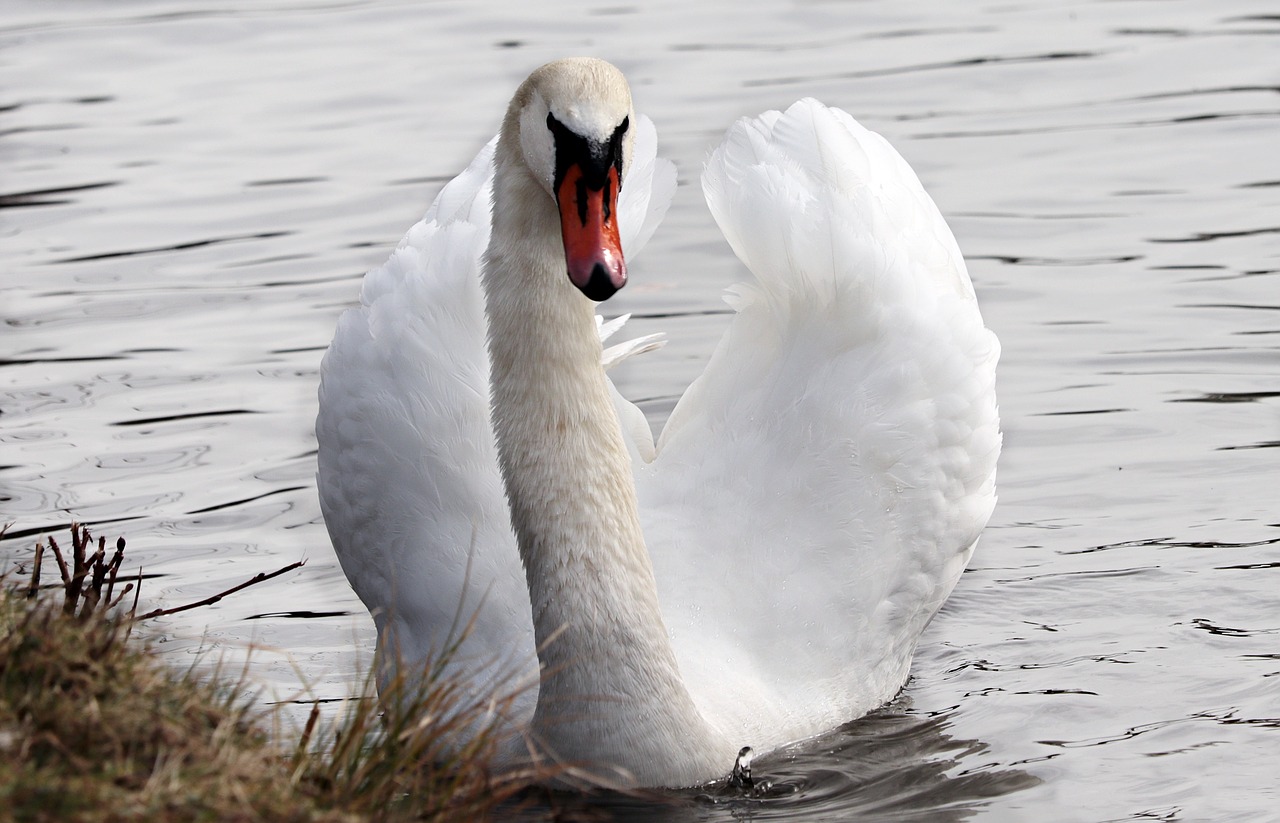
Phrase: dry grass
(93, 727)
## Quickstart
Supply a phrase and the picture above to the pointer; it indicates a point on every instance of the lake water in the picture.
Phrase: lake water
(191, 191)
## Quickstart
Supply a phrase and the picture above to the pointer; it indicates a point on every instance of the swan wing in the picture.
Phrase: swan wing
(643, 202)
(407, 467)
(646, 193)
(408, 476)
(818, 490)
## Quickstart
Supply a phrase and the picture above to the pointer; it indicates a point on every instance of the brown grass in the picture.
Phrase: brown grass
(95, 727)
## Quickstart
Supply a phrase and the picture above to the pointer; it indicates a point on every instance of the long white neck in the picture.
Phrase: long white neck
(611, 691)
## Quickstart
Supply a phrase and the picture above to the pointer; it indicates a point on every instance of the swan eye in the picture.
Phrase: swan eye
(615, 143)
(594, 157)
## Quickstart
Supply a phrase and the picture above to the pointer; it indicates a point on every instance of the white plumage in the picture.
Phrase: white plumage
(814, 496)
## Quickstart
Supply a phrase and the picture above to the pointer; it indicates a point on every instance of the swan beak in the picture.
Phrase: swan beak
(589, 224)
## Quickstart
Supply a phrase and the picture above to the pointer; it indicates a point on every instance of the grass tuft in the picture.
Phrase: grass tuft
(94, 726)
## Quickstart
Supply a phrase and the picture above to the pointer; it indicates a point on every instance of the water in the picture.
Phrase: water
(191, 192)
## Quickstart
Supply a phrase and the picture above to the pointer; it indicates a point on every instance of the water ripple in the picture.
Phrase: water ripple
(184, 246)
(49, 197)
(963, 63)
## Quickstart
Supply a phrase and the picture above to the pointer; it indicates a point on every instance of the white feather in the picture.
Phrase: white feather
(820, 487)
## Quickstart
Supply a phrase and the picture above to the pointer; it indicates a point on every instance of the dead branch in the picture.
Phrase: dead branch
(209, 601)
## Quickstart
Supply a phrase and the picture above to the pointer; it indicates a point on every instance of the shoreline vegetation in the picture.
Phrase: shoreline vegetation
(96, 726)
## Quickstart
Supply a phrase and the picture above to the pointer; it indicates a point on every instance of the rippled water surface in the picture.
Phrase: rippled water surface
(190, 192)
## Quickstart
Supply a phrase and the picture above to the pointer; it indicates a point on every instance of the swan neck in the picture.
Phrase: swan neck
(610, 678)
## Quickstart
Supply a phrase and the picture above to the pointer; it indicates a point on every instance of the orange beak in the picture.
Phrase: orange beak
(589, 225)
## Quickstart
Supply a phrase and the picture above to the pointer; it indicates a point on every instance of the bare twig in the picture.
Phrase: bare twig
(62, 563)
(34, 588)
(137, 592)
(98, 569)
(128, 587)
(86, 574)
(113, 570)
(208, 601)
(77, 570)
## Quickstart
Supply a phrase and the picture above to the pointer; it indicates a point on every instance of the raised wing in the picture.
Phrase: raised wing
(408, 475)
(819, 489)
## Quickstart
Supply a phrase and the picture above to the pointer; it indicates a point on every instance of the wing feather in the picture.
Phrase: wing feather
(818, 489)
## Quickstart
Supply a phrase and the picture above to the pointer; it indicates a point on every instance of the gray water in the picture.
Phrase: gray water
(192, 190)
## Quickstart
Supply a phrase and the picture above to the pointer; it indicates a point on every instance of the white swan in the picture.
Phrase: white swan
(814, 496)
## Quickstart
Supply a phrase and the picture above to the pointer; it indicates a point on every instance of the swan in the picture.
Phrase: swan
(762, 572)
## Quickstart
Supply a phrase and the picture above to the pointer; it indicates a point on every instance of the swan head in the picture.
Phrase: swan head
(576, 132)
